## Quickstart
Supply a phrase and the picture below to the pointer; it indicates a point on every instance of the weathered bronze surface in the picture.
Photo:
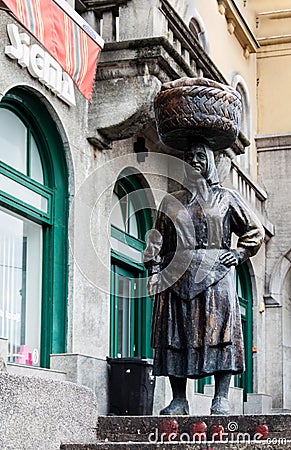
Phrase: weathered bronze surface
(191, 107)
(196, 329)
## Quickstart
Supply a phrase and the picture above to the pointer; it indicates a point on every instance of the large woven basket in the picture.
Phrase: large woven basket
(191, 108)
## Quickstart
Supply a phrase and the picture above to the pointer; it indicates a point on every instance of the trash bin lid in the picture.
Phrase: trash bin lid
(130, 360)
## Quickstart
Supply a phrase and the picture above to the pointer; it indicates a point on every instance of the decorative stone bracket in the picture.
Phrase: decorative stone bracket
(237, 25)
(123, 106)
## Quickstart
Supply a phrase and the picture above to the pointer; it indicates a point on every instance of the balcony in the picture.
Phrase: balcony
(146, 44)
(253, 194)
(123, 21)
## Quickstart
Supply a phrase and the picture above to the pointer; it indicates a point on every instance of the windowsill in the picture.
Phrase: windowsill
(24, 370)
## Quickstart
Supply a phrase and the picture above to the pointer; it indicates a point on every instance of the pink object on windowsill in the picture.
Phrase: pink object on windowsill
(24, 355)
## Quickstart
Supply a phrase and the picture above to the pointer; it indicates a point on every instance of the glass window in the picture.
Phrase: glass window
(117, 218)
(20, 286)
(125, 311)
(197, 28)
(123, 214)
(36, 171)
(132, 220)
(13, 141)
(244, 292)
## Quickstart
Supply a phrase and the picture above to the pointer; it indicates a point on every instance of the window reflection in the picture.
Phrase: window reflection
(18, 147)
(13, 140)
(123, 213)
(36, 172)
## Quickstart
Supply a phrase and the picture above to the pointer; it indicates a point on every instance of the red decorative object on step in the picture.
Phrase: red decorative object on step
(168, 430)
(217, 432)
(198, 431)
(261, 432)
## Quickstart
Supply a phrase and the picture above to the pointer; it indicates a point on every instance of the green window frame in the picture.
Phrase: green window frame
(34, 114)
(129, 271)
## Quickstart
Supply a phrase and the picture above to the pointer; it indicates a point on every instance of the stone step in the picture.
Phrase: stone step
(143, 428)
(178, 446)
(146, 433)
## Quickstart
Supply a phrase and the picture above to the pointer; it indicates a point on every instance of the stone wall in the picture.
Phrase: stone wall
(275, 175)
(42, 414)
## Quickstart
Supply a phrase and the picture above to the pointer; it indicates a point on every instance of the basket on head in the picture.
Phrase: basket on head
(191, 108)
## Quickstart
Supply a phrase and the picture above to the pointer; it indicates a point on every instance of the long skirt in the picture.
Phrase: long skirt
(199, 337)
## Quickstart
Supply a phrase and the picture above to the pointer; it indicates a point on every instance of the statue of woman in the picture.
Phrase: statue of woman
(196, 327)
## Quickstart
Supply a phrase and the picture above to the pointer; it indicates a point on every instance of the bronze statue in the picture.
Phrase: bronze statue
(196, 328)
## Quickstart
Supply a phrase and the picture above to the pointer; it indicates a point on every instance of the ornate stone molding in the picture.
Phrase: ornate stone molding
(237, 25)
(273, 40)
(276, 14)
(269, 34)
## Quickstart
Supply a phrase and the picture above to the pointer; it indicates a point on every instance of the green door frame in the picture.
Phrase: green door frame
(245, 380)
(114, 310)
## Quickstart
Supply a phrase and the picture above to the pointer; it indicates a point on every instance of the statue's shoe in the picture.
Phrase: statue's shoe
(220, 406)
(177, 407)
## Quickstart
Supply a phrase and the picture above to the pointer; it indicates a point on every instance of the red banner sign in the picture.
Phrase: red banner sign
(75, 49)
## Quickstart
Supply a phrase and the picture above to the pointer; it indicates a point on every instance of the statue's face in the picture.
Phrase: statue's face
(196, 157)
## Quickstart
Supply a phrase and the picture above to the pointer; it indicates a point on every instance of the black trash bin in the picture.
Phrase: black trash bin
(131, 386)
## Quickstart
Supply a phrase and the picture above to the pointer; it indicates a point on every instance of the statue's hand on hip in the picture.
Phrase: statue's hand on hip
(229, 258)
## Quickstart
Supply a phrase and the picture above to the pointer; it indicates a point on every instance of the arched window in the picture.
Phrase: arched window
(197, 28)
(240, 85)
(33, 223)
(130, 307)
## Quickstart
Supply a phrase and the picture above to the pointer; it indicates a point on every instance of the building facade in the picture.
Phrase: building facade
(81, 182)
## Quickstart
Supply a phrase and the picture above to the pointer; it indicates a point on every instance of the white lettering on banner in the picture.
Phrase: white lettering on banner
(40, 64)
